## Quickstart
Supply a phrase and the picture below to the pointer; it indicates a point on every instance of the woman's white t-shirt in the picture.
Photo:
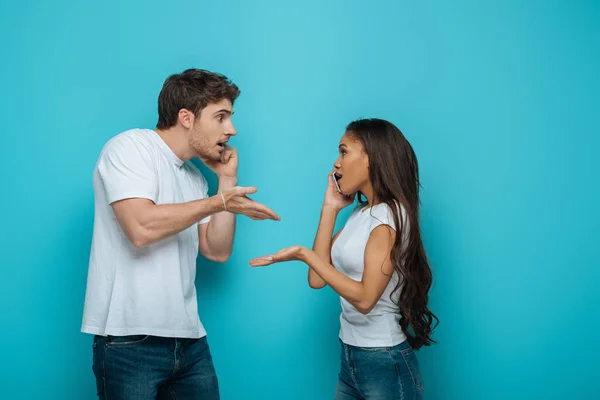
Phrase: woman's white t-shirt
(380, 327)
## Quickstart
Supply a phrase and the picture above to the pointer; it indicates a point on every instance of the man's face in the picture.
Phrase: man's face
(212, 129)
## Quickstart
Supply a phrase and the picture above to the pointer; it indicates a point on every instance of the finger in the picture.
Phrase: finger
(256, 215)
(331, 181)
(231, 149)
(264, 210)
(260, 215)
(262, 259)
(242, 191)
(232, 152)
(225, 156)
(261, 262)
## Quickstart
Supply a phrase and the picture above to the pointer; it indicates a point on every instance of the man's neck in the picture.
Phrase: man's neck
(177, 140)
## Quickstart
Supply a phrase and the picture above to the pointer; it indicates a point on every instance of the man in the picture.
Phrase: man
(152, 216)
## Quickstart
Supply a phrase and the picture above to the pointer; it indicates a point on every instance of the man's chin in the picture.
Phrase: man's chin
(209, 155)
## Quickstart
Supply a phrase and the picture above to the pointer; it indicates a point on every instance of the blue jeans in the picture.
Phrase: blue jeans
(149, 368)
(379, 373)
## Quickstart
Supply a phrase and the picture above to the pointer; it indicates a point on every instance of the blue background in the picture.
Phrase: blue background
(499, 99)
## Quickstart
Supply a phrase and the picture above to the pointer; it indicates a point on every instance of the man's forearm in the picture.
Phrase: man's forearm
(221, 228)
(158, 222)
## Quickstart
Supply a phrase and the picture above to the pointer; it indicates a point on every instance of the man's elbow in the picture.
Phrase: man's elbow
(140, 238)
(219, 258)
(222, 258)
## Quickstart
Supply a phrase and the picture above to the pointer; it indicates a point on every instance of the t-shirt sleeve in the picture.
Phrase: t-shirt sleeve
(127, 170)
(382, 214)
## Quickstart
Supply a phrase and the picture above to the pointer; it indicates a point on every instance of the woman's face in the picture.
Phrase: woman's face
(352, 165)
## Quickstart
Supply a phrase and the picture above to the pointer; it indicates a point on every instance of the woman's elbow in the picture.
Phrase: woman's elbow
(316, 285)
(365, 307)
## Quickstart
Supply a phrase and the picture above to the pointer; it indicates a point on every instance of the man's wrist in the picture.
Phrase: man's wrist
(217, 203)
(227, 182)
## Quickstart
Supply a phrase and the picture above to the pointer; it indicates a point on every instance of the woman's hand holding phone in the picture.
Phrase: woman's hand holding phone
(334, 196)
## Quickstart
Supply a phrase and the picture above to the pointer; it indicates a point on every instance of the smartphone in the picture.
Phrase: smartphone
(333, 175)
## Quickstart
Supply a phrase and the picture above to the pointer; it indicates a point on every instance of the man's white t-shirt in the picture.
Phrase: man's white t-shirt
(378, 328)
(151, 290)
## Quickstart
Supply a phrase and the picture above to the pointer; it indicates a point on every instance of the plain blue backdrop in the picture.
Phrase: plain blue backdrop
(500, 100)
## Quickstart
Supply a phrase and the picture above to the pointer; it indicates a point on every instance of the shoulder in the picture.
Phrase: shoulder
(129, 143)
(383, 214)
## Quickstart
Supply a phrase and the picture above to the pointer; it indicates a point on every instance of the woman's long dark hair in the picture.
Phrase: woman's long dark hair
(394, 174)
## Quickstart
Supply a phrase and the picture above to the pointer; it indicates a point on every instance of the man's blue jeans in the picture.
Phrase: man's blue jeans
(151, 368)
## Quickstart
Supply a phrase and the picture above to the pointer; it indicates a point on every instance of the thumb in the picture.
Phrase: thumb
(246, 190)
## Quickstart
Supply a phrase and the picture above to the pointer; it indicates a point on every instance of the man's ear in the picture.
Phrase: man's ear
(186, 118)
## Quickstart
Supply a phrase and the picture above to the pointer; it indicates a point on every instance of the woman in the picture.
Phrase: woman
(376, 263)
